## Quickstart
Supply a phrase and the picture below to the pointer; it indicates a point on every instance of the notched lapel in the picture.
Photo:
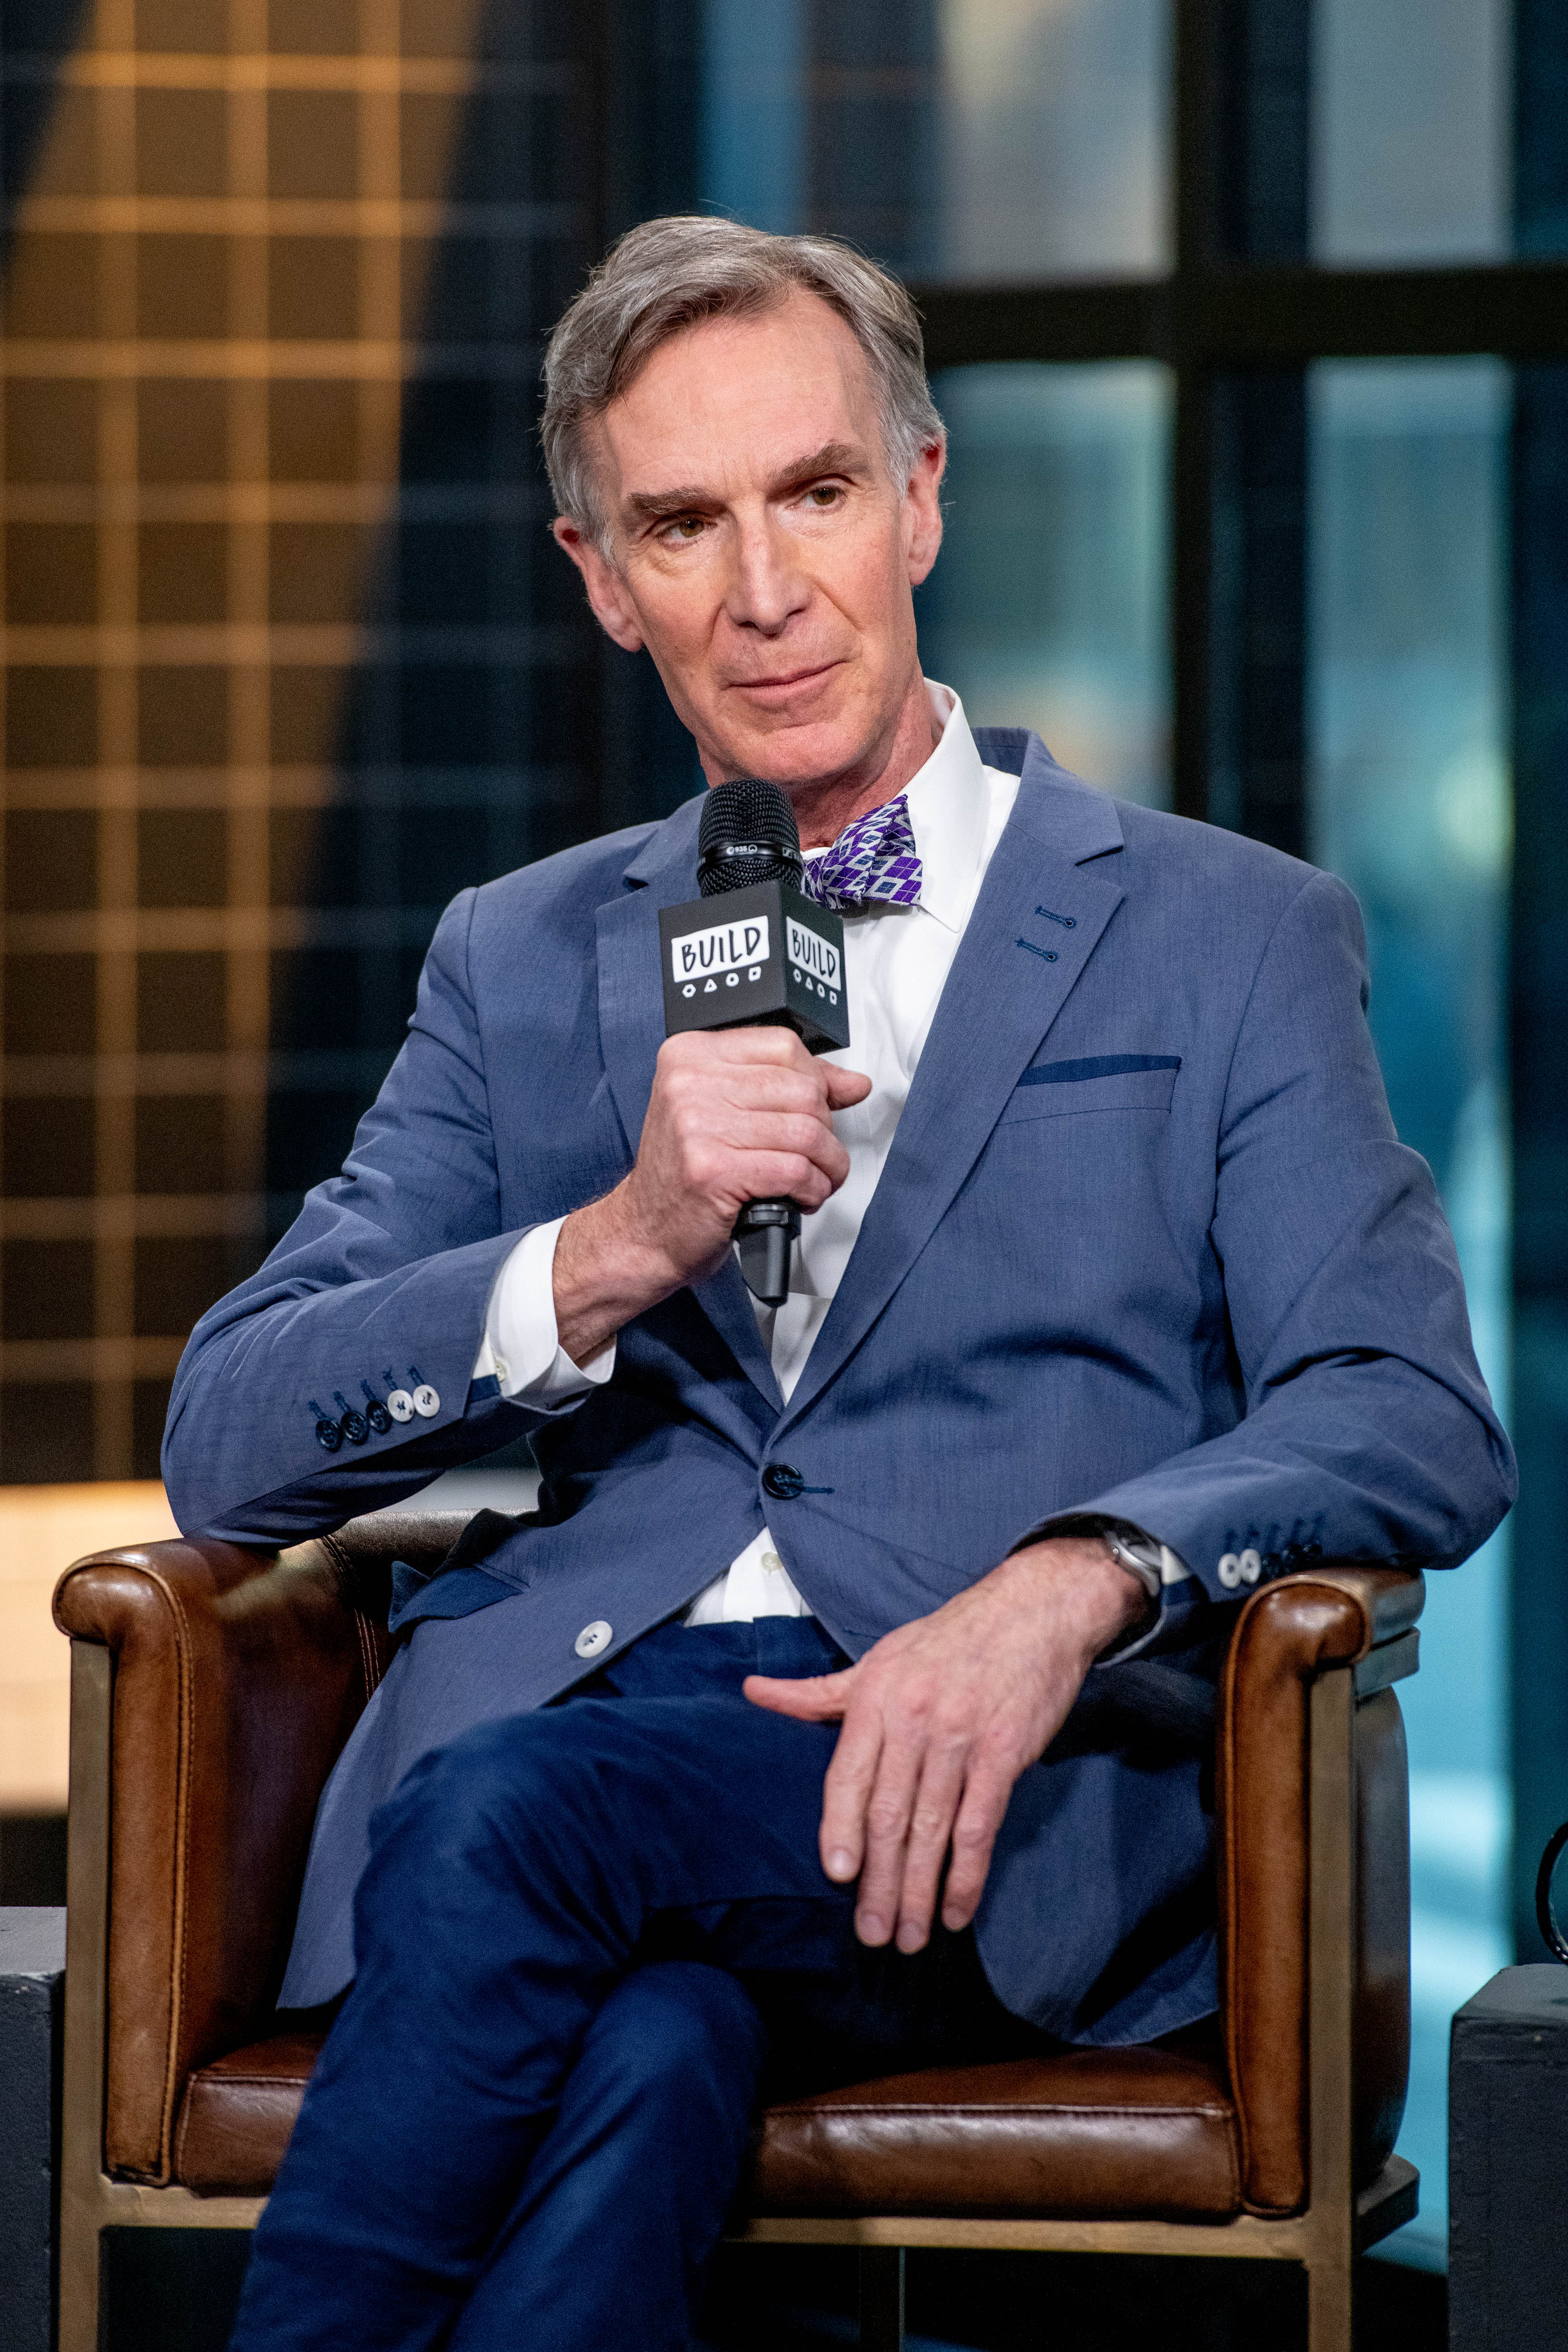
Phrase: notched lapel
(631, 1031)
(1015, 968)
(631, 997)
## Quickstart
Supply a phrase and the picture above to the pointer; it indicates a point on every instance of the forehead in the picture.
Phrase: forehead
(732, 401)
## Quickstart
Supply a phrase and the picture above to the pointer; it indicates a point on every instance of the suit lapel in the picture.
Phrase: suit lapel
(1015, 969)
(631, 1031)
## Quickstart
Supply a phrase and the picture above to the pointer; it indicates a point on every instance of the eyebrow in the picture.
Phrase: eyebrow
(833, 457)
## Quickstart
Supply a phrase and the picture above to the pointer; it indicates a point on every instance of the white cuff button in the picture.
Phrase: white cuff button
(426, 1403)
(594, 1638)
(1251, 1567)
(1230, 1572)
(400, 1405)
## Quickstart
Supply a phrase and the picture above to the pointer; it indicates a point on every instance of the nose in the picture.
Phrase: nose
(767, 587)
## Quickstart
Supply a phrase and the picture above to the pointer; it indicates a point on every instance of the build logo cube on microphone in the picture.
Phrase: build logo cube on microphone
(762, 955)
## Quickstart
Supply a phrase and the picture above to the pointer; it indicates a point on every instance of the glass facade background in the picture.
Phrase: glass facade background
(957, 139)
(1411, 800)
(1046, 608)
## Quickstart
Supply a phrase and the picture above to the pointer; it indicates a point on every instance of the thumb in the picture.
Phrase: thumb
(810, 1698)
(845, 1087)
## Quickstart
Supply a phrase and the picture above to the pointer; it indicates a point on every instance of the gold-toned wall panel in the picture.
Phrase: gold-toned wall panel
(284, 648)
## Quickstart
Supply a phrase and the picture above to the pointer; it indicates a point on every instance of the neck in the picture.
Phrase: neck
(823, 805)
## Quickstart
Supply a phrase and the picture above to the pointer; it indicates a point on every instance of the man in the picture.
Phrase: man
(886, 1624)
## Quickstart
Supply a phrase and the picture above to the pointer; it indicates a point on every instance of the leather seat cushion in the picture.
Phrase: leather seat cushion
(238, 2113)
(1110, 2133)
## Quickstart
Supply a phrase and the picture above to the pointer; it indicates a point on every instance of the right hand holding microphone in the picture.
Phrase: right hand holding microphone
(735, 1115)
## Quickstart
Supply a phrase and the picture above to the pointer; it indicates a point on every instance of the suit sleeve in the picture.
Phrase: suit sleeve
(381, 1282)
(1367, 1432)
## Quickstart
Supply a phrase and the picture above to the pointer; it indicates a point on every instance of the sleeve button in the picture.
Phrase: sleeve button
(427, 1402)
(329, 1435)
(1251, 1567)
(400, 1405)
(1230, 1572)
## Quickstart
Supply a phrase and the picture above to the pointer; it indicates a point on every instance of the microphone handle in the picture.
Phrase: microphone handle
(764, 1232)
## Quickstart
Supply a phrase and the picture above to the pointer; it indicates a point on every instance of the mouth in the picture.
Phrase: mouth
(778, 689)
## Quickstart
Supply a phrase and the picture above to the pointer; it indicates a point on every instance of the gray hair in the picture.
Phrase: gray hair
(667, 275)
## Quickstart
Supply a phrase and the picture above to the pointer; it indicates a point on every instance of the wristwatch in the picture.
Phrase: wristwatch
(1154, 1565)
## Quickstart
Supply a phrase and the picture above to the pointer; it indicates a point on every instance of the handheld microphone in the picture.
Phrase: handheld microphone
(766, 957)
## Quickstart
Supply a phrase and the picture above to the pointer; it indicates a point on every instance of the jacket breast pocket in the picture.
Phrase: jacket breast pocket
(1097, 1082)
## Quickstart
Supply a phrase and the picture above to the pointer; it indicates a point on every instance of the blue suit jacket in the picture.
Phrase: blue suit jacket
(1145, 1245)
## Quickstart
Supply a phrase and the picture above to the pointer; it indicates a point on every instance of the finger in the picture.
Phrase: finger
(842, 1838)
(931, 1819)
(761, 1046)
(888, 1811)
(980, 1814)
(779, 1176)
(810, 1698)
(789, 1131)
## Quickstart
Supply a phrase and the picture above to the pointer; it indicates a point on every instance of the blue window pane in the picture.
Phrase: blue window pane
(1046, 608)
(1410, 113)
(967, 140)
(1411, 802)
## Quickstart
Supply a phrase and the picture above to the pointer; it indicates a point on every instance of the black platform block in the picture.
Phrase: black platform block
(32, 1990)
(1508, 2165)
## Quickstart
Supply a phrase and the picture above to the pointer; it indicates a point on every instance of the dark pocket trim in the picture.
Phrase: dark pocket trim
(1098, 1066)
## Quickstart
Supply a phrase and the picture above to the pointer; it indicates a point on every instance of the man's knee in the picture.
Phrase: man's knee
(504, 1796)
(678, 2039)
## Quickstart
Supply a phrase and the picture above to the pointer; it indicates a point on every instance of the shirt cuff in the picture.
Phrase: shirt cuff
(520, 1349)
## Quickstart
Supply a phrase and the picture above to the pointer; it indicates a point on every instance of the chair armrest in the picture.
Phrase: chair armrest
(1291, 1632)
(237, 1677)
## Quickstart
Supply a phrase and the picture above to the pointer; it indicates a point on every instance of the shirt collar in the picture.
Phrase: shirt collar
(947, 803)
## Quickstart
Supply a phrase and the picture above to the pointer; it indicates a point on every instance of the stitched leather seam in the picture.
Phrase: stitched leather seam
(182, 1829)
(1005, 2115)
(1233, 1994)
(286, 2083)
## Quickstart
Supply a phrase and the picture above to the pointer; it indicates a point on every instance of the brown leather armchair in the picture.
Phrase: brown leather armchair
(212, 1687)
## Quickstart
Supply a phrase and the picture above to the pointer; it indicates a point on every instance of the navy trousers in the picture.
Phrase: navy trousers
(587, 1940)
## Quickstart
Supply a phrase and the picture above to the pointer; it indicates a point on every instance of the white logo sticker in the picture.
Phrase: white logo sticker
(810, 952)
(724, 946)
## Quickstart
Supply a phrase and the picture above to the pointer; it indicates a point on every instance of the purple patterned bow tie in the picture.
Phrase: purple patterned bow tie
(874, 862)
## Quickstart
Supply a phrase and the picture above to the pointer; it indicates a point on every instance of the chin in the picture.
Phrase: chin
(805, 750)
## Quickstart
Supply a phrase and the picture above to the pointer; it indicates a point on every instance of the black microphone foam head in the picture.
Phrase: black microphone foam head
(747, 834)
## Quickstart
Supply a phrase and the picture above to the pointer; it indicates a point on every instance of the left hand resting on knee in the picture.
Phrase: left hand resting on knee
(940, 1717)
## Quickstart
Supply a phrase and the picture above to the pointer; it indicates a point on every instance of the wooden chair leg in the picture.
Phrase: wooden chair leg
(1329, 2306)
(882, 2299)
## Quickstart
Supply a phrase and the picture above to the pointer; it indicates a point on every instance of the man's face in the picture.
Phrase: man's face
(764, 552)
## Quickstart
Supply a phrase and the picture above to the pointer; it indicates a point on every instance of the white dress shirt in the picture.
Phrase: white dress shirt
(897, 961)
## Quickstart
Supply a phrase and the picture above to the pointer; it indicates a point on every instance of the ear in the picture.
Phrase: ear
(612, 608)
(923, 510)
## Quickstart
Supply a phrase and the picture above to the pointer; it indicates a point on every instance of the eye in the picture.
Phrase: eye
(822, 495)
(684, 529)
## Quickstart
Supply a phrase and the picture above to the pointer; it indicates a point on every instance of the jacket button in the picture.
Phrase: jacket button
(329, 1435)
(594, 1638)
(1230, 1572)
(355, 1427)
(783, 1482)
(380, 1420)
(1251, 1567)
(426, 1403)
(400, 1405)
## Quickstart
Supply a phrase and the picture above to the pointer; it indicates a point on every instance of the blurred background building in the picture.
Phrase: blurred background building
(1250, 325)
